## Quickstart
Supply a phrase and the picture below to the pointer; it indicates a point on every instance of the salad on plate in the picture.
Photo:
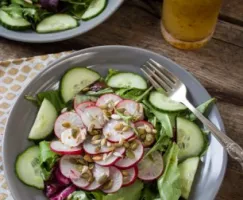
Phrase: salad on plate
(112, 137)
(47, 16)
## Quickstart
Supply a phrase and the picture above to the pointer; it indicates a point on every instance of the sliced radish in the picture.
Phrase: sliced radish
(143, 123)
(108, 101)
(91, 148)
(69, 169)
(113, 135)
(151, 167)
(129, 176)
(80, 107)
(65, 121)
(131, 108)
(101, 174)
(93, 116)
(61, 148)
(73, 137)
(126, 162)
(116, 181)
(112, 157)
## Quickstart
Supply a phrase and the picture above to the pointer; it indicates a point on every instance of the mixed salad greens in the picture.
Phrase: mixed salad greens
(46, 16)
(111, 138)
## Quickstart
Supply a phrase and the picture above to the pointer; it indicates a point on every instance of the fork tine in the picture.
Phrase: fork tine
(161, 75)
(154, 83)
(161, 82)
(171, 76)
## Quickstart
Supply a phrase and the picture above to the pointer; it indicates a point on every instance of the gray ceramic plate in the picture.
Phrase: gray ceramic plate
(212, 169)
(33, 37)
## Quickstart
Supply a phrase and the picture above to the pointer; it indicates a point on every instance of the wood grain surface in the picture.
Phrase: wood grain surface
(218, 66)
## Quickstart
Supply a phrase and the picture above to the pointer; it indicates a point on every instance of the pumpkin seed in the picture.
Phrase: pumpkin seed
(112, 148)
(79, 168)
(103, 106)
(130, 154)
(91, 127)
(126, 128)
(108, 185)
(97, 149)
(85, 175)
(108, 144)
(66, 124)
(143, 136)
(141, 130)
(95, 142)
(88, 158)
(154, 131)
(149, 137)
(103, 142)
(147, 128)
(126, 145)
(91, 179)
(124, 173)
(84, 169)
(96, 137)
(134, 145)
(64, 110)
(91, 166)
(121, 110)
(94, 132)
(118, 127)
(97, 158)
(102, 179)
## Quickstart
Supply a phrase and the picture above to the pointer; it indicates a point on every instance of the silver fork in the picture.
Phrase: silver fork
(160, 77)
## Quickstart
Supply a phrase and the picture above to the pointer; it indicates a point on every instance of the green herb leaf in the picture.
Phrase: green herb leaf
(100, 92)
(150, 192)
(203, 108)
(78, 195)
(169, 183)
(48, 159)
(111, 72)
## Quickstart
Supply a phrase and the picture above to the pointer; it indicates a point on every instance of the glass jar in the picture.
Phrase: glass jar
(189, 24)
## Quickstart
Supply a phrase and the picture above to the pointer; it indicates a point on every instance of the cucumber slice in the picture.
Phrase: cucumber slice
(127, 80)
(27, 167)
(55, 23)
(95, 8)
(189, 139)
(12, 23)
(44, 121)
(188, 169)
(164, 103)
(74, 80)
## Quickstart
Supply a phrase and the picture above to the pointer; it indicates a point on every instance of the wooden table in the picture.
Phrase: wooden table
(219, 65)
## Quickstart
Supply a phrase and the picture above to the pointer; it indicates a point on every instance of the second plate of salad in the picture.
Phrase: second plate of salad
(100, 131)
(52, 20)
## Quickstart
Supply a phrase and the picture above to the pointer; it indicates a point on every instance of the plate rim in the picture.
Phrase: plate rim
(13, 35)
(96, 49)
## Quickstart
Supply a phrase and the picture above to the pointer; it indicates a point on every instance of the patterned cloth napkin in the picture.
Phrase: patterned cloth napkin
(14, 76)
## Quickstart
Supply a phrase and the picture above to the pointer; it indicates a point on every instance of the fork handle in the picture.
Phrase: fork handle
(233, 149)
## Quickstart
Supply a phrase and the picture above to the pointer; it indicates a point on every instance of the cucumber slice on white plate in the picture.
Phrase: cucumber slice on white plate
(190, 139)
(74, 80)
(55, 23)
(164, 103)
(12, 23)
(27, 167)
(188, 169)
(44, 122)
(127, 80)
(95, 8)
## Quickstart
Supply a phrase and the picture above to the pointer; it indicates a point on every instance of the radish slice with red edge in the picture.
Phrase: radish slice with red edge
(93, 116)
(64, 193)
(150, 167)
(60, 178)
(69, 169)
(101, 174)
(92, 148)
(131, 108)
(80, 108)
(127, 162)
(108, 101)
(111, 158)
(116, 181)
(129, 176)
(143, 123)
(67, 120)
(61, 148)
(114, 135)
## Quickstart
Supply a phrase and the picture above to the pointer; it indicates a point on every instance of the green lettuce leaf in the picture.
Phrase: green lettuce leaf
(203, 108)
(98, 195)
(132, 192)
(48, 159)
(133, 94)
(53, 96)
(150, 191)
(169, 183)
(167, 120)
(78, 195)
